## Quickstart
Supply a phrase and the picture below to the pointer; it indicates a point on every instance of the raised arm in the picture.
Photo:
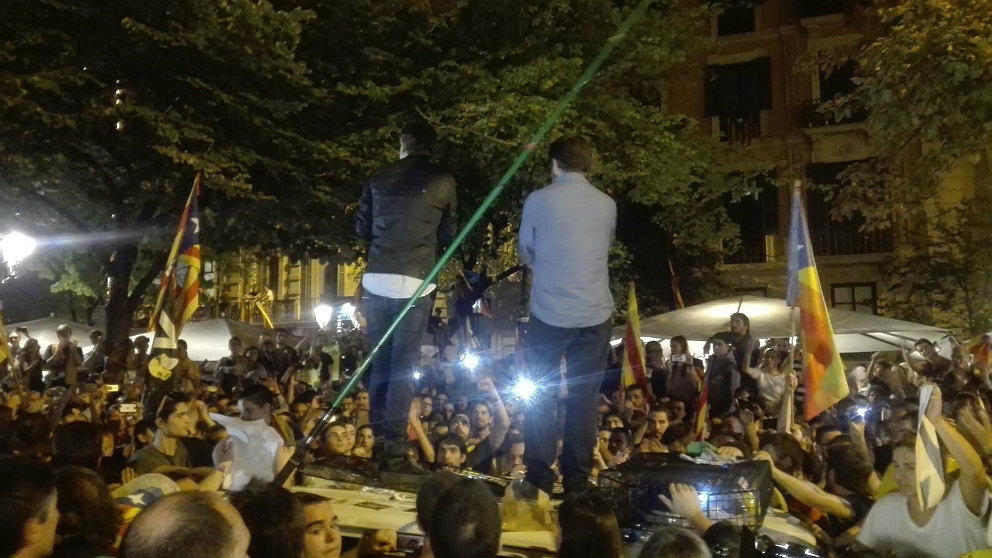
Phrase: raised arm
(808, 493)
(972, 476)
(418, 429)
(501, 419)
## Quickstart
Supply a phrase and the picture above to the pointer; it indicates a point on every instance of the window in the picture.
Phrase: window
(838, 82)
(817, 8)
(859, 297)
(736, 94)
(757, 217)
(735, 18)
(838, 238)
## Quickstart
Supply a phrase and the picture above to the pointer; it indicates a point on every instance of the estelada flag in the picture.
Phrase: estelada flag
(179, 295)
(633, 350)
(823, 370)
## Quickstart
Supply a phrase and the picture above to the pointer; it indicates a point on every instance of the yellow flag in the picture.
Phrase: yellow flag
(4, 347)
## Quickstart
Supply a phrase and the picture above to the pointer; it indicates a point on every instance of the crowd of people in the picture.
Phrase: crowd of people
(848, 475)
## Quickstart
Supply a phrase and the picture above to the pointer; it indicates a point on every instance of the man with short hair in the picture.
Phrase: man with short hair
(744, 348)
(189, 524)
(173, 422)
(939, 365)
(653, 430)
(460, 425)
(338, 442)
(274, 518)
(231, 369)
(451, 452)
(406, 216)
(63, 359)
(322, 538)
(187, 371)
(258, 403)
(490, 423)
(566, 232)
(28, 512)
(283, 356)
(466, 522)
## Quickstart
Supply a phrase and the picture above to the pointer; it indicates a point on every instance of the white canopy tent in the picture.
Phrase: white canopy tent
(207, 339)
(43, 329)
(854, 332)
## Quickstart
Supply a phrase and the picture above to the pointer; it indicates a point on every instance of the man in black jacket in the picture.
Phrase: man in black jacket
(406, 216)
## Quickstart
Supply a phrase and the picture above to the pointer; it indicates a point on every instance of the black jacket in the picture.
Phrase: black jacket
(407, 214)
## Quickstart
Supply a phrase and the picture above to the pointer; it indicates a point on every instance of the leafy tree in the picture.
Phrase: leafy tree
(487, 73)
(925, 78)
(954, 276)
(107, 110)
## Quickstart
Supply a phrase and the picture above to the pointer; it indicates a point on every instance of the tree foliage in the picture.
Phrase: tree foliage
(108, 109)
(925, 78)
(487, 73)
(954, 276)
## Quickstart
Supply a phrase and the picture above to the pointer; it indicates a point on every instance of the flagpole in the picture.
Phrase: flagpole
(786, 416)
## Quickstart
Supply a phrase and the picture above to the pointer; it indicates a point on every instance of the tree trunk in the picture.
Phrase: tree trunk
(119, 312)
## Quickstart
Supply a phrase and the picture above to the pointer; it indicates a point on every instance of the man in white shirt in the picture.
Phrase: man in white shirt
(566, 232)
(898, 523)
(406, 216)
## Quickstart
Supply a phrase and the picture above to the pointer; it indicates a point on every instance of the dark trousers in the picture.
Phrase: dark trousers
(585, 350)
(390, 381)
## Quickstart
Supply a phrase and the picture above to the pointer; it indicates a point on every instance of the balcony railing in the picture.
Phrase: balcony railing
(749, 252)
(810, 117)
(845, 241)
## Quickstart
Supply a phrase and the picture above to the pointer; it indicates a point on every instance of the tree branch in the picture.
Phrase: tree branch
(158, 262)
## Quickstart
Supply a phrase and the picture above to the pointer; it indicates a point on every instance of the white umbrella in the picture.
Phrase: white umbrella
(854, 332)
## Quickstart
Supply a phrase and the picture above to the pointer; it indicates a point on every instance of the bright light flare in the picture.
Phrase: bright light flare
(348, 310)
(323, 314)
(417, 374)
(524, 389)
(704, 498)
(16, 247)
(470, 360)
(862, 411)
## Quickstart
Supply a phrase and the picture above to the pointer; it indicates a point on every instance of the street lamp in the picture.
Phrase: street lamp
(16, 247)
(323, 313)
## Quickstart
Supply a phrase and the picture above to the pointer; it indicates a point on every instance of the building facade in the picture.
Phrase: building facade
(758, 87)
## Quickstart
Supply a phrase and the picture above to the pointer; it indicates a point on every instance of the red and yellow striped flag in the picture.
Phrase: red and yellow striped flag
(633, 350)
(702, 410)
(179, 296)
(823, 370)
